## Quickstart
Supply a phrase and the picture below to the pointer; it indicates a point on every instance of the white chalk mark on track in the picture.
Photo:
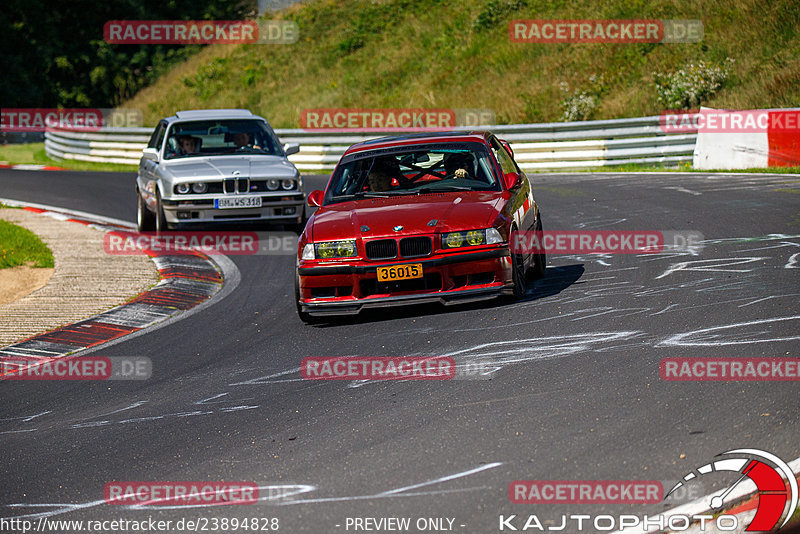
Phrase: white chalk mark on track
(708, 337)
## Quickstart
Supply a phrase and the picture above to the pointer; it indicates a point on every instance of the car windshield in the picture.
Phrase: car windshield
(219, 138)
(412, 171)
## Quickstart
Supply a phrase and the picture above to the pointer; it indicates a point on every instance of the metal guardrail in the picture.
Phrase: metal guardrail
(548, 146)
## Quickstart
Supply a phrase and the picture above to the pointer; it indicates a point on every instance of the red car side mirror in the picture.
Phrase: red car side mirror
(512, 180)
(315, 198)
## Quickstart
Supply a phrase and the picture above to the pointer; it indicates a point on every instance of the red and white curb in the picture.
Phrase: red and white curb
(186, 281)
(31, 167)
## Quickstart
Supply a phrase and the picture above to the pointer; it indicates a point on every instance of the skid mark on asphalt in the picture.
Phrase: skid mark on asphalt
(270, 379)
(770, 247)
(599, 223)
(713, 265)
(227, 405)
(27, 418)
(596, 286)
(131, 407)
(618, 312)
(505, 399)
(731, 334)
(684, 190)
(273, 494)
(664, 310)
(739, 240)
(503, 353)
(494, 356)
(768, 298)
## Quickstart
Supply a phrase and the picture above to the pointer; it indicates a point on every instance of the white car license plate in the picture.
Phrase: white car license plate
(237, 202)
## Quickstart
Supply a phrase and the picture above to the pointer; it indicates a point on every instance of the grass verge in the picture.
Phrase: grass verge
(34, 153)
(20, 246)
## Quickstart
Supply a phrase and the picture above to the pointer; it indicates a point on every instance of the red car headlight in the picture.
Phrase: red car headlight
(471, 238)
(329, 250)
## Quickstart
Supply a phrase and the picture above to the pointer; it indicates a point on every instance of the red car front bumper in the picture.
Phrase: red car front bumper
(347, 287)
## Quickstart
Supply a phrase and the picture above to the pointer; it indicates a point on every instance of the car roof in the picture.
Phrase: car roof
(419, 138)
(212, 114)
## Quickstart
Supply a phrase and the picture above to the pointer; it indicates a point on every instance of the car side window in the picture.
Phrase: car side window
(152, 142)
(503, 157)
(157, 137)
(160, 140)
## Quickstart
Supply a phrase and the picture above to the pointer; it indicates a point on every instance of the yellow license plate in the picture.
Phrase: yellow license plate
(400, 272)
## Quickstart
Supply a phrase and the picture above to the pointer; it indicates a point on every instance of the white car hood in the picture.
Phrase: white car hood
(226, 167)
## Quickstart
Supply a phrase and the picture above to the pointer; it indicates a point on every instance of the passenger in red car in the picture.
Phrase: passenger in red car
(458, 166)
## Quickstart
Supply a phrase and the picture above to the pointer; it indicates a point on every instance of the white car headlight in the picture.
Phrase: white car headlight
(308, 251)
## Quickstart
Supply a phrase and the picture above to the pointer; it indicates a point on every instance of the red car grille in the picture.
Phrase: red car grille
(381, 249)
(414, 247)
(410, 247)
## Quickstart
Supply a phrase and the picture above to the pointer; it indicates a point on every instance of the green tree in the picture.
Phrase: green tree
(53, 54)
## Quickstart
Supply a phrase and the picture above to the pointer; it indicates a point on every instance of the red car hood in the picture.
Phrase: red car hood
(452, 211)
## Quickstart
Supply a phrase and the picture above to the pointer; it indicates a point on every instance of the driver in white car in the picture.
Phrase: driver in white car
(242, 140)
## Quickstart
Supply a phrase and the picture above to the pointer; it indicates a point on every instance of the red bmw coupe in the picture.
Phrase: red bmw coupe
(417, 218)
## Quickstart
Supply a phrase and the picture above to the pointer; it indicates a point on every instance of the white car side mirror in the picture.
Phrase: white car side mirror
(150, 153)
(291, 148)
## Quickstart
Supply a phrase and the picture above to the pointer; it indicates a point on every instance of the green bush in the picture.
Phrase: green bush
(691, 85)
(495, 11)
(580, 104)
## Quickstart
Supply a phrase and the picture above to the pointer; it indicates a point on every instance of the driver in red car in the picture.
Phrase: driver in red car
(379, 181)
(381, 176)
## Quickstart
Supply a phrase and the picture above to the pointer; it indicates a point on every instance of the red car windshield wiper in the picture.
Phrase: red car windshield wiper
(369, 194)
(442, 188)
